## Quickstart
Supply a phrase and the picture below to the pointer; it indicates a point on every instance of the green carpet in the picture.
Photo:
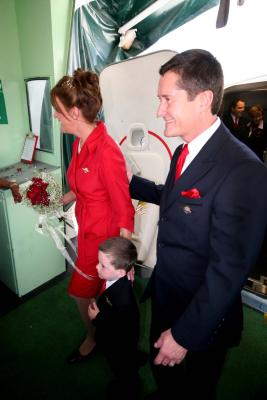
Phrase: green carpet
(36, 337)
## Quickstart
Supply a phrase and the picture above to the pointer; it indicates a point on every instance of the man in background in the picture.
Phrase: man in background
(235, 121)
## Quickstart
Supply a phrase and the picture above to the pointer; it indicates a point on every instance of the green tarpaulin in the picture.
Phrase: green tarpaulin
(95, 37)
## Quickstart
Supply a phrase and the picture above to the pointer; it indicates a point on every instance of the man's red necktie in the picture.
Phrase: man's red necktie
(181, 160)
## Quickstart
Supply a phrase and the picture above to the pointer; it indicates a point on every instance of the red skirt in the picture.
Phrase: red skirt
(87, 261)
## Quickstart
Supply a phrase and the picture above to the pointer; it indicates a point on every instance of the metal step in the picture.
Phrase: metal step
(255, 301)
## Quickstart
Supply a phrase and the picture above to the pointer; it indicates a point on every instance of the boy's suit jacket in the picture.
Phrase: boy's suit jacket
(117, 323)
(206, 246)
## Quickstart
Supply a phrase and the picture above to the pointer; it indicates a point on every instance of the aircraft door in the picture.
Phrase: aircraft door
(129, 90)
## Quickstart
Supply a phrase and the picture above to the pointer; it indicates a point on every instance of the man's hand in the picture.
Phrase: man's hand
(125, 233)
(128, 169)
(170, 352)
(129, 172)
(130, 275)
(93, 310)
(128, 235)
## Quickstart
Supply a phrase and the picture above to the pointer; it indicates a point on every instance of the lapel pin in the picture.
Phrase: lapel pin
(85, 170)
(108, 301)
(187, 210)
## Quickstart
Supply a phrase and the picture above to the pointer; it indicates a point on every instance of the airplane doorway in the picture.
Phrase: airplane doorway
(252, 94)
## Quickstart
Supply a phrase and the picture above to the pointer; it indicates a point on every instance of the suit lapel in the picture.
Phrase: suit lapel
(112, 291)
(198, 168)
(170, 179)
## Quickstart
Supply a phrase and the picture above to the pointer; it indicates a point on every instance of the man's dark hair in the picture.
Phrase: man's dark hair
(122, 252)
(235, 101)
(198, 71)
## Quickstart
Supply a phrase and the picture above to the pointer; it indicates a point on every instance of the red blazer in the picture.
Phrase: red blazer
(97, 175)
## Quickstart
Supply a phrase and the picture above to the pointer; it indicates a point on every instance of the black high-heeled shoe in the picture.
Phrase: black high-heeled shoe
(77, 357)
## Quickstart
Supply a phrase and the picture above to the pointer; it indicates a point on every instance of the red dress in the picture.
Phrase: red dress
(97, 175)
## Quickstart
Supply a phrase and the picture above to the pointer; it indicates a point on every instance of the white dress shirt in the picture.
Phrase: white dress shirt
(196, 144)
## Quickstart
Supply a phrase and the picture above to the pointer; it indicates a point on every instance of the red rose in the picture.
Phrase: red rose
(37, 193)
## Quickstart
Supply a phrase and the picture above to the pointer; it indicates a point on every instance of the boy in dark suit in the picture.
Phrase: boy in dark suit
(116, 317)
(212, 221)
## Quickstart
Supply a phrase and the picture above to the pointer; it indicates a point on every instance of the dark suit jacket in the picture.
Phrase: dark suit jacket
(257, 141)
(241, 130)
(206, 246)
(117, 326)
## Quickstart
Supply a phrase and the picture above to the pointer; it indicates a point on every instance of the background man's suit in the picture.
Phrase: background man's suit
(239, 130)
(206, 246)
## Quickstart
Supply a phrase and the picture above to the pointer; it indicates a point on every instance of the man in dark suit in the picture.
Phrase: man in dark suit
(213, 216)
(235, 121)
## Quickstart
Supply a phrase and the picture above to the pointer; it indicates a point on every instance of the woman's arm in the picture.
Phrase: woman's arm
(68, 197)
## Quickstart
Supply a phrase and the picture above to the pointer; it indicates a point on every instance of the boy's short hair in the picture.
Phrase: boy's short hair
(122, 252)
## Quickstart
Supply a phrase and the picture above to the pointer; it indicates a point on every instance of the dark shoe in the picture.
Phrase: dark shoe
(77, 357)
(124, 389)
(152, 396)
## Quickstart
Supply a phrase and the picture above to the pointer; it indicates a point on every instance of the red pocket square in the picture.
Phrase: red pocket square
(192, 194)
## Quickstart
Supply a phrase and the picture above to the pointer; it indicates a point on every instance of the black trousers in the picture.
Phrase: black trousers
(124, 364)
(196, 377)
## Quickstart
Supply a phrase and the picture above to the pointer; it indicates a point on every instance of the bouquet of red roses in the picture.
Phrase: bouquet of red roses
(37, 192)
(43, 194)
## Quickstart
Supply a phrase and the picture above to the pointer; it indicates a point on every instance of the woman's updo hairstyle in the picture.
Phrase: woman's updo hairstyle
(256, 112)
(81, 91)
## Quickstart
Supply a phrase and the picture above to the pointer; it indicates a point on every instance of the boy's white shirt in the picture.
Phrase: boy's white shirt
(109, 283)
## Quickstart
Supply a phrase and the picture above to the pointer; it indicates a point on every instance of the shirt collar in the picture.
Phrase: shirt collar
(109, 283)
(196, 144)
(93, 139)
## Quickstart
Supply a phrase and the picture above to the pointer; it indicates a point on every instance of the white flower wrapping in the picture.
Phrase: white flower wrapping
(43, 194)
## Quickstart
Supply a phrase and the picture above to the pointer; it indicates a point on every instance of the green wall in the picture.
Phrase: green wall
(12, 134)
(34, 41)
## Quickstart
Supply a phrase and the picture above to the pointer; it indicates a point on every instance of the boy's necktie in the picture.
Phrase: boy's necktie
(103, 287)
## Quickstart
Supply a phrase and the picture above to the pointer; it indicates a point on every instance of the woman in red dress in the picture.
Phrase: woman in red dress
(99, 185)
